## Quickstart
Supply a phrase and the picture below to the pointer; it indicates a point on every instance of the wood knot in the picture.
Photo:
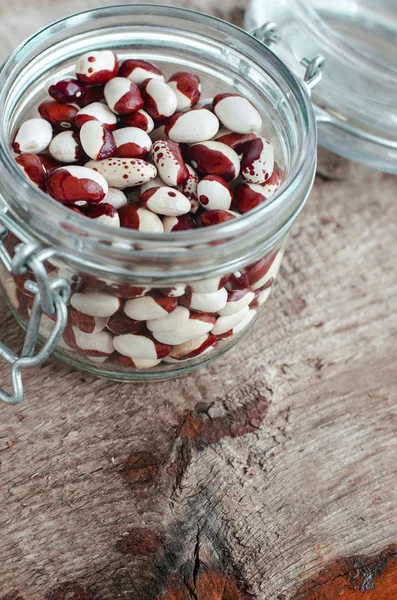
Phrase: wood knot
(141, 467)
(140, 541)
(206, 430)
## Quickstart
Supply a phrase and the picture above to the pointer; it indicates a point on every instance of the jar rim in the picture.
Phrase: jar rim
(47, 212)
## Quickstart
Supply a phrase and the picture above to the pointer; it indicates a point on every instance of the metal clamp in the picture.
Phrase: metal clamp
(267, 34)
(50, 297)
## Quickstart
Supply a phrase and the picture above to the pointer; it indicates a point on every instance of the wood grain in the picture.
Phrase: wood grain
(246, 479)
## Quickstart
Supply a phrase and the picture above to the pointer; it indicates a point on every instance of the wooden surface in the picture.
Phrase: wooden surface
(269, 474)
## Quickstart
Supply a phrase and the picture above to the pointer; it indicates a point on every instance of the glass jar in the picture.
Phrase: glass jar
(199, 270)
(355, 103)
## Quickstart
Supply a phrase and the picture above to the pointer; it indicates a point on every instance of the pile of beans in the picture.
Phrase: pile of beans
(115, 134)
(125, 148)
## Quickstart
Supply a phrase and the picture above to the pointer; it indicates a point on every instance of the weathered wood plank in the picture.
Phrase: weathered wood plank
(246, 478)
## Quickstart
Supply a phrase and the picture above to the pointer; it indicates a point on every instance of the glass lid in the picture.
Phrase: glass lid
(347, 50)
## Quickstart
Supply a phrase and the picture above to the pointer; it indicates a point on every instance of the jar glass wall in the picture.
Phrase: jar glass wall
(210, 274)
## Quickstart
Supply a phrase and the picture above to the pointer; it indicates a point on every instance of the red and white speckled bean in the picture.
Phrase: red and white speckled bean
(245, 322)
(124, 172)
(169, 161)
(126, 290)
(137, 363)
(165, 201)
(274, 181)
(240, 326)
(92, 93)
(189, 189)
(214, 193)
(258, 160)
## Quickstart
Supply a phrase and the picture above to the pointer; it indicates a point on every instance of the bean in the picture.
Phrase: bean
(123, 172)
(97, 67)
(237, 113)
(32, 137)
(76, 185)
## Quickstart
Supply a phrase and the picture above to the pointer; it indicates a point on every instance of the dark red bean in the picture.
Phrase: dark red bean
(67, 91)
(61, 116)
(33, 169)
(215, 217)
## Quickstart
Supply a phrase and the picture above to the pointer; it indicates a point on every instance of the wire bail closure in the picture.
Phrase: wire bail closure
(267, 34)
(50, 297)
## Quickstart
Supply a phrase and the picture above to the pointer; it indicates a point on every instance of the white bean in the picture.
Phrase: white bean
(196, 125)
(237, 113)
(33, 136)
(96, 304)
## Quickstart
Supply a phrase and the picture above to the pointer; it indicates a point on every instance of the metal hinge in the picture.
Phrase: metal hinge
(50, 297)
(267, 34)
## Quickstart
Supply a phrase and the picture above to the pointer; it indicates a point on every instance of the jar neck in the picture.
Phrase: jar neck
(201, 252)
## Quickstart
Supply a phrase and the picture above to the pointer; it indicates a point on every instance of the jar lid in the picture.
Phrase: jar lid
(346, 51)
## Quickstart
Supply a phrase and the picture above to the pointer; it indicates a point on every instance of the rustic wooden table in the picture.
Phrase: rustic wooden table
(270, 474)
